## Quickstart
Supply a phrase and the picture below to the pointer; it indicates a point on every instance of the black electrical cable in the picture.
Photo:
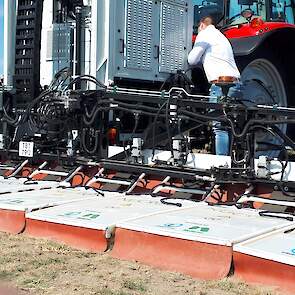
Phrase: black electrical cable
(186, 142)
(169, 79)
(167, 119)
(154, 127)
(136, 117)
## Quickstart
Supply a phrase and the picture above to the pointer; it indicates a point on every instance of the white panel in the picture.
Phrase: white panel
(102, 212)
(209, 224)
(12, 185)
(139, 34)
(32, 200)
(278, 246)
(172, 36)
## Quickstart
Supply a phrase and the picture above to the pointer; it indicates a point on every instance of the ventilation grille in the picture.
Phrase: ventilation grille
(139, 34)
(59, 44)
(173, 37)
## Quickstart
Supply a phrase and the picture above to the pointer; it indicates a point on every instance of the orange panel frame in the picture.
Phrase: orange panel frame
(199, 260)
(74, 236)
(263, 271)
(12, 221)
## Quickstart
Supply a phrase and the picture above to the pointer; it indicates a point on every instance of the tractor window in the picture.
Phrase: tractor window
(237, 6)
(203, 8)
(283, 11)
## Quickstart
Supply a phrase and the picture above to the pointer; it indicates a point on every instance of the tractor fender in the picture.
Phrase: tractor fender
(246, 45)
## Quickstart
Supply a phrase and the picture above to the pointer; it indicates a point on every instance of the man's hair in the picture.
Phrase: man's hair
(207, 20)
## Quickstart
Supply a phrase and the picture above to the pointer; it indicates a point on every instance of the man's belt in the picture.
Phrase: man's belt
(224, 79)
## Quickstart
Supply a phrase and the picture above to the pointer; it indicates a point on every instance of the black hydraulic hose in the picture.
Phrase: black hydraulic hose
(59, 74)
(86, 78)
(8, 119)
(91, 121)
(154, 127)
(89, 115)
(130, 111)
(33, 103)
(164, 201)
(282, 135)
(203, 117)
(97, 81)
(267, 213)
(131, 106)
(84, 144)
(134, 106)
(255, 121)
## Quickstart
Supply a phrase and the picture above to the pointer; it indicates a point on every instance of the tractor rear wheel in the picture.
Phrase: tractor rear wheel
(264, 83)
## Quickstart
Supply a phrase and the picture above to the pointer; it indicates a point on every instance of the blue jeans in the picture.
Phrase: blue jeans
(221, 134)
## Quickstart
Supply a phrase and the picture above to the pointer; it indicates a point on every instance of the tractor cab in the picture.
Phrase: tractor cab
(236, 12)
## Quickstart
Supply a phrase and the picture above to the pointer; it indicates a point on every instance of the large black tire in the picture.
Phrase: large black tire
(265, 83)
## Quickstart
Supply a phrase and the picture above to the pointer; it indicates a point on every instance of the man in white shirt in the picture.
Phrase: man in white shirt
(214, 51)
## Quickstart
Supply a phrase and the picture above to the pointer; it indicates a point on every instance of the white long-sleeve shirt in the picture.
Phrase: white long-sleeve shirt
(213, 49)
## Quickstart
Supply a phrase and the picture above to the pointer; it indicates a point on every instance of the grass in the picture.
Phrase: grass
(110, 292)
(135, 285)
(42, 267)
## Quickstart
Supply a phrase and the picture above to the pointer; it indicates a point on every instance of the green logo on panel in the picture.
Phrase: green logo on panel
(197, 229)
(14, 201)
(88, 215)
(71, 214)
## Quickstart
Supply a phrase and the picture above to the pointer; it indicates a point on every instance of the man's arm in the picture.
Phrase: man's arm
(197, 52)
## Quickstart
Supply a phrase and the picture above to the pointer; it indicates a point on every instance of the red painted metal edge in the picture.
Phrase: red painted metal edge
(199, 260)
(12, 221)
(77, 237)
(263, 271)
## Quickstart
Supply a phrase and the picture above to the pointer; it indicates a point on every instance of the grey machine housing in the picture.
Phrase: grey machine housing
(123, 39)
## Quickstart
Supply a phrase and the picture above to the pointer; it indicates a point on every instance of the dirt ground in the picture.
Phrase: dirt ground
(37, 266)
